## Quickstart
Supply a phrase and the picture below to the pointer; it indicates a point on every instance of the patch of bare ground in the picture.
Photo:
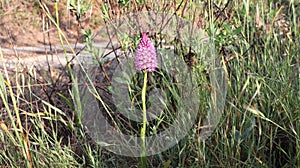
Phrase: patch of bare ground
(27, 23)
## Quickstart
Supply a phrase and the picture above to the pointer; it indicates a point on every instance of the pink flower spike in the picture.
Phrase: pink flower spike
(145, 55)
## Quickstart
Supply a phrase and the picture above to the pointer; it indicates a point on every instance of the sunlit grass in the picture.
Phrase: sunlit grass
(260, 126)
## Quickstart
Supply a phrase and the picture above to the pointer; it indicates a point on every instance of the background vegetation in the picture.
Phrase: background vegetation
(258, 42)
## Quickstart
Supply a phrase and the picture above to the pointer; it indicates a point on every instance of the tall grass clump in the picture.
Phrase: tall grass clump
(257, 43)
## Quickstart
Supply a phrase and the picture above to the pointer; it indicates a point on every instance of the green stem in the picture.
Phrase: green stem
(143, 130)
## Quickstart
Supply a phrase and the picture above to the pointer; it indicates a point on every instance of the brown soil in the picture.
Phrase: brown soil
(25, 23)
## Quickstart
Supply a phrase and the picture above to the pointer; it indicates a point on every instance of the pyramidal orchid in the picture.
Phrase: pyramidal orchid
(145, 60)
(145, 56)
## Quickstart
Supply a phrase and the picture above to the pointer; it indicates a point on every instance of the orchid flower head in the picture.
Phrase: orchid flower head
(145, 55)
